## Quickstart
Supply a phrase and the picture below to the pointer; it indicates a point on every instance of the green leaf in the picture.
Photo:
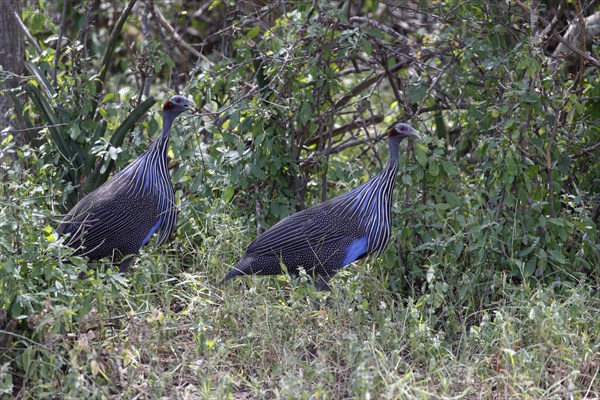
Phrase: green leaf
(452, 199)
(28, 356)
(416, 92)
(234, 119)
(529, 268)
(214, 4)
(557, 221)
(418, 173)
(556, 256)
(366, 46)
(74, 131)
(434, 168)
(305, 113)
(531, 98)
(228, 194)
(421, 153)
(253, 32)
(449, 168)
(511, 165)
(7, 140)
(257, 172)
(529, 249)
(67, 152)
(41, 79)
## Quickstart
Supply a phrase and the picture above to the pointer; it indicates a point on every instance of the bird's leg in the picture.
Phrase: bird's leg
(81, 274)
(322, 283)
(125, 263)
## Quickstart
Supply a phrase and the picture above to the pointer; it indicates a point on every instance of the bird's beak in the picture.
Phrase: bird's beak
(415, 134)
(192, 106)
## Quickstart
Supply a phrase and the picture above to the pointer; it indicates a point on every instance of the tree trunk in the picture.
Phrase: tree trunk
(12, 56)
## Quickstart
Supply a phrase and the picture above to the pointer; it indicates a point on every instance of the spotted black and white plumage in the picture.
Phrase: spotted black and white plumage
(325, 238)
(119, 217)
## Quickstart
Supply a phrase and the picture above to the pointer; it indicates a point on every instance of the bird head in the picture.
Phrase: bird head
(178, 104)
(402, 130)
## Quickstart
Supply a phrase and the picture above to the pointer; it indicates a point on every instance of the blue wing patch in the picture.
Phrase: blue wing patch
(154, 228)
(356, 250)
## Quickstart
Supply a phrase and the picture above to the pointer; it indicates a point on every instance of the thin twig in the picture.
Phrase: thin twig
(179, 42)
(59, 43)
(350, 126)
(28, 340)
(333, 150)
(38, 128)
(201, 9)
(108, 52)
(258, 209)
(549, 169)
(26, 33)
(581, 21)
(500, 204)
(555, 20)
(391, 79)
(146, 80)
(591, 384)
(382, 27)
(587, 150)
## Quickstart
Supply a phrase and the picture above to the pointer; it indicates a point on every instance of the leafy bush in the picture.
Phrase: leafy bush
(495, 234)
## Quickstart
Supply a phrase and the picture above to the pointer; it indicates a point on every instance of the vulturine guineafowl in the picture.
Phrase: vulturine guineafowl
(119, 217)
(325, 238)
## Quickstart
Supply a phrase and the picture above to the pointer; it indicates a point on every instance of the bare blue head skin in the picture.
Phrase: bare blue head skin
(172, 108)
(397, 133)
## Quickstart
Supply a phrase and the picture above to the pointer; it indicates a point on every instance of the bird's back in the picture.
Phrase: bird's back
(317, 239)
(110, 221)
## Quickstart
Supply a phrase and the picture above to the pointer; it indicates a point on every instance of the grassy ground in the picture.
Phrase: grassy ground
(176, 335)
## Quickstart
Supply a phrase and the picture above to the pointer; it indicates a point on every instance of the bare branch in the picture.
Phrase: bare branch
(382, 27)
(351, 143)
(562, 40)
(349, 127)
(59, 42)
(588, 150)
(555, 20)
(26, 33)
(179, 42)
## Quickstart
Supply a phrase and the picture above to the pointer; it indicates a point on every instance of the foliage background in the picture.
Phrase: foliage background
(489, 288)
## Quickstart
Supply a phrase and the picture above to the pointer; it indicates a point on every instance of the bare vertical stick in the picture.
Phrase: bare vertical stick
(59, 42)
(549, 168)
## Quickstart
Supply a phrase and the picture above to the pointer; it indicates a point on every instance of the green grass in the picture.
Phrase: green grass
(167, 331)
